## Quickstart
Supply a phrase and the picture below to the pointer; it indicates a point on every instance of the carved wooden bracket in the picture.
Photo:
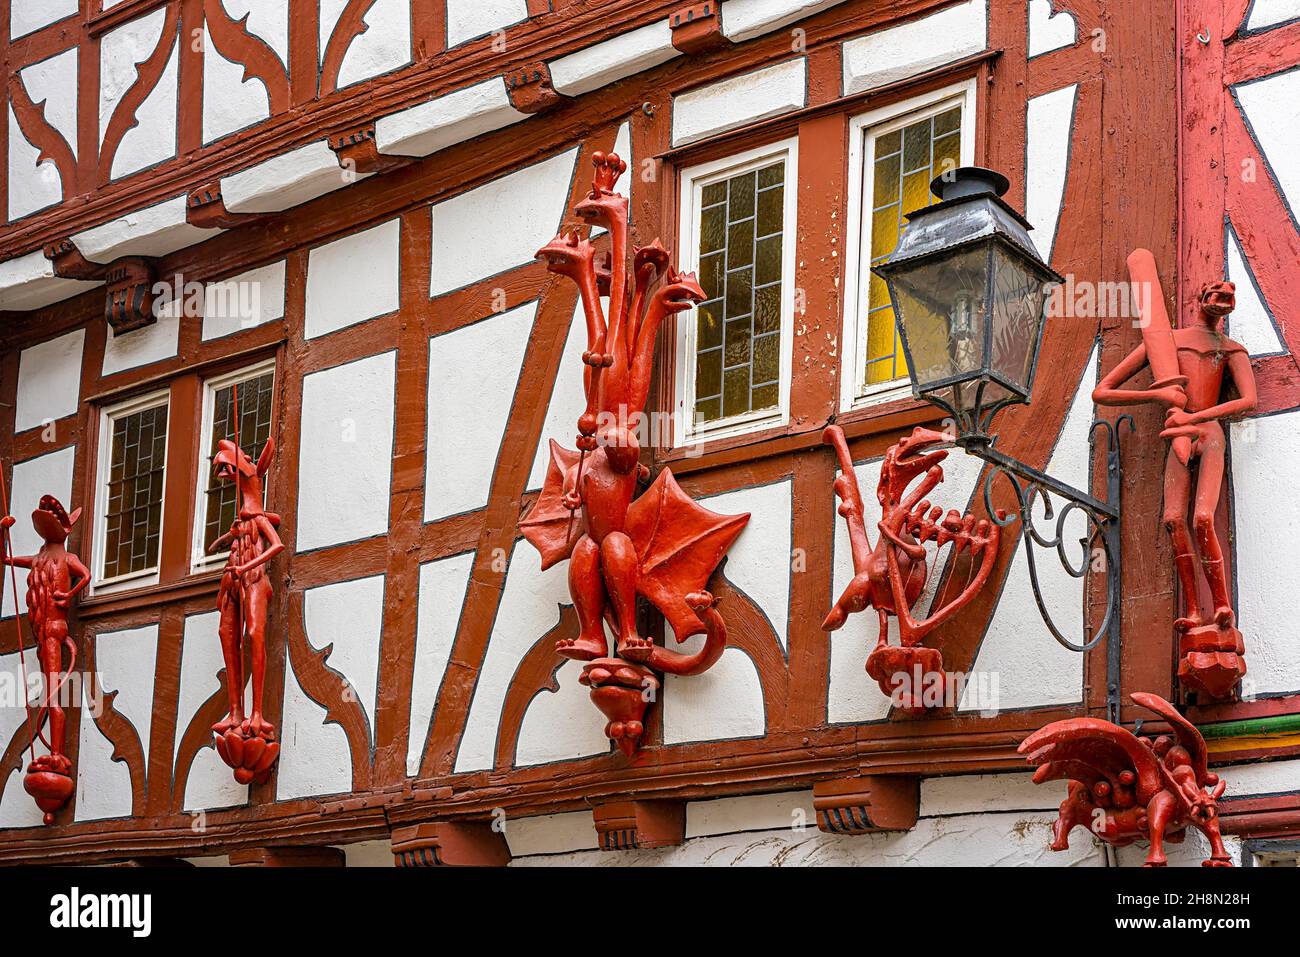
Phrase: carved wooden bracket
(358, 152)
(450, 844)
(287, 857)
(205, 209)
(530, 88)
(129, 297)
(867, 804)
(698, 28)
(625, 825)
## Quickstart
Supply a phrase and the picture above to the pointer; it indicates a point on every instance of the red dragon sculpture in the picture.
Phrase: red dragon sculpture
(246, 744)
(659, 545)
(1126, 788)
(891, 576)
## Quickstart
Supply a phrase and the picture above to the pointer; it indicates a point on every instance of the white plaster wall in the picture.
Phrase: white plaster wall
(1050, 122)
(467, 19)
(383, 46)
(17, 809)
(724, 703)
(1048, 29)
(152, 343)
(1250, 323)
(1272, 106)
(244, 301)
(27, 16)
(446, 120)
(613, 59)
(51, 85)
(1269, 13)
(50, 473)
(1264, 455)
(852, 696)
(568, 401)
(759, 562)
(550, 834)
(49, 380)
(348, 413)
(739, 100)
(745, 19)
(530, 607)
(502, 223)
(125, 663)
(354, 279)
(1265, 777)
(153, 138)
(230, 102)
(1018, 655)
(348, 617)
(314, 756)
(561, 725)
(751, 812)
(473, 374)
(443, 584)
(887, 56)
(368, 854)
(210, 784)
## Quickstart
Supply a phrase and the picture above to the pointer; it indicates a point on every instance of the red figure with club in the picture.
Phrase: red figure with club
(55, 578)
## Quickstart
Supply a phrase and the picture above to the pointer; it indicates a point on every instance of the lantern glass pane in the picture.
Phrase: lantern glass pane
(1019, 295)
(941, 311)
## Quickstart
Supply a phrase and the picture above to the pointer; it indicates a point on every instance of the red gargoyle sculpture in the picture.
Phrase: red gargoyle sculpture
(659, 545)
(891, 576)
(1124, 788)
(246, 744)
(55, 578)
(1188, 366)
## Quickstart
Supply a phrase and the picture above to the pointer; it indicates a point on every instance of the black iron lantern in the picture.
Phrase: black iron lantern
(970, 294)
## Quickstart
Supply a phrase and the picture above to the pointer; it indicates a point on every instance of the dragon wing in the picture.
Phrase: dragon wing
(679, 544)
(1186, 732)
(1088, 749)
(551, 527)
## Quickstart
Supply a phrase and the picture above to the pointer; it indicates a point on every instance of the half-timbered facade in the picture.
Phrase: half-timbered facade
(316, 222)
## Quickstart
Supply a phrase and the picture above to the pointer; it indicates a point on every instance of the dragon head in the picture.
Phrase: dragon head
(602, 204)
(680, 290)
(52, 522)
(567, 255)
(907, 459)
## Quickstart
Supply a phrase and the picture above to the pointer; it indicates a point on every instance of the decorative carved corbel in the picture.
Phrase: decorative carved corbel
(206, 209)
(358, 153)
(530, 88)
(1125, 788)
(450, 844)
(890, 577)
(698, 28)
(867, 804)
(129, 281)
(639, 825)
(287, 857)
(663, 547)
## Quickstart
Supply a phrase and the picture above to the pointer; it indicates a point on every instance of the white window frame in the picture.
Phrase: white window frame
(864, 130)
(692, 182)
(200, 562)
(103, 462)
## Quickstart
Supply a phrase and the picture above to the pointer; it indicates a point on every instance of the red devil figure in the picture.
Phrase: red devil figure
(56, 577)
(661, 545)
(246, 744)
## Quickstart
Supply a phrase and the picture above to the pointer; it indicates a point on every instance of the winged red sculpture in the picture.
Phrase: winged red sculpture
(55, 578)
(891, 576)
(659, 545)
(246, 744)
(1126, 788)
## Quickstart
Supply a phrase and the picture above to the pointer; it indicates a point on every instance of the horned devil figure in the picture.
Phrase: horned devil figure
(891, 576)
(1124, 788)
(661, 545)
(1188, 365)
(51, 591)
(246, 744)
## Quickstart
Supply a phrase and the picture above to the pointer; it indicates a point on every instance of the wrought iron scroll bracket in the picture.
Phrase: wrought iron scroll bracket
(1102, 541)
